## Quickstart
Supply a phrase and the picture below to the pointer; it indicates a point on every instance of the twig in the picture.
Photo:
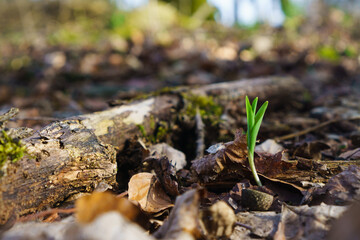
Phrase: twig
(123, 194)
(311, 129)
(243, 225)
(44, 119)
(200, 132)
(44, 213)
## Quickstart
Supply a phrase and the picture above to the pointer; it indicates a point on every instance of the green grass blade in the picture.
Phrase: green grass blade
(251, 142)
(261, 112)
(256, 127)
(255, 130)
(250, 119)
(254, 104)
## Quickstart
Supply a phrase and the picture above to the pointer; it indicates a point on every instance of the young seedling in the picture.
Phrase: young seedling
(254, 120)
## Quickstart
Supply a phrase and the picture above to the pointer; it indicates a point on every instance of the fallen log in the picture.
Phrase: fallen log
(75, 155)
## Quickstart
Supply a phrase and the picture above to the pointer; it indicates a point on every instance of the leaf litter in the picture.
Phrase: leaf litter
(310, 171)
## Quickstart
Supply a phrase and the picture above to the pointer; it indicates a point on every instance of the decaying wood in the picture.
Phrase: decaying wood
(75, 155)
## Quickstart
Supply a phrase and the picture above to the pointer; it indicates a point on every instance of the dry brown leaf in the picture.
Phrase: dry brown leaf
(347, 227)
(285, 191)
(146, 189)
(90, 207)
(165, 172)
(306, 222)
(237, 150)
(271, 164)
(311, 150)
(269, 146)
(351, 154)
(232, 157)
(340, 189)
(218, 220)
(176, 157)
(111, 225)
(183, 222)
(261, 225)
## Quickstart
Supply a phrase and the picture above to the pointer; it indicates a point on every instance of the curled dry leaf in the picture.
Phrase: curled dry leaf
(341, 189)
(347, 226)
(218, 220)
(306, 222)
(91, 206)
(311, 150)
(261, 224)
(230, 163)
(166, 174)
(183, 222)
(271, 165)
(176, 157)
(237, 151)
(146, 189)
(284, 191)
(269, 146)
(111, 225)
(351, 154)
(234, 154)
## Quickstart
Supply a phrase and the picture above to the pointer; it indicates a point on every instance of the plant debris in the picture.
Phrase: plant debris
(116, 102)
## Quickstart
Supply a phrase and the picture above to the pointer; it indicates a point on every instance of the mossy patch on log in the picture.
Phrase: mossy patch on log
(208, 108)
(10, 149)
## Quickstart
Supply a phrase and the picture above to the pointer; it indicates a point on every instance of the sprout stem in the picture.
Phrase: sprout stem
(253, 169)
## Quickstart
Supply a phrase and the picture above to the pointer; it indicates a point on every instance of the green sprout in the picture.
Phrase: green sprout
(254, 120)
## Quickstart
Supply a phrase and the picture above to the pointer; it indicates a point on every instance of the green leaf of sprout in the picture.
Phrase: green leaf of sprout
(260, 114)
(250, 118)
(254, 104)
(254, 130)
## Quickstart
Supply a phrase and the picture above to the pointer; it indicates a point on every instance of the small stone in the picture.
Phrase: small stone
(256, 200)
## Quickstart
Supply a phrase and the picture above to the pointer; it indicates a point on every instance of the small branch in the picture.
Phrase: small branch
(123, 194)
(243, 225)
(200, 132)
(40, 119)
(45, 213)
(311, 129)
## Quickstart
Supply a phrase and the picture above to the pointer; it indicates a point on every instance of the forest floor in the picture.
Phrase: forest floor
(316, 133)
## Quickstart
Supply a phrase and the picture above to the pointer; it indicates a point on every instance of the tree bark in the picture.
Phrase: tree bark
(75, 155)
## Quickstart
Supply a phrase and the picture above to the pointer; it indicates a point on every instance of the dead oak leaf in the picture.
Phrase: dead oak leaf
(89, 207)
(271, 164)
(183, 221)
(340, 189)
(236, 151)
(146, 189)
(351, 154)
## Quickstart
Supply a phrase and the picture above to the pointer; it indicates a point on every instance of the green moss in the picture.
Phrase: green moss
(209, 110)
(350, 51)
(159, 130)
(328, 53)
(10, 149)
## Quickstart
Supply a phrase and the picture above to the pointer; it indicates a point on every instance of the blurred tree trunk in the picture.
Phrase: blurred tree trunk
(236, 9)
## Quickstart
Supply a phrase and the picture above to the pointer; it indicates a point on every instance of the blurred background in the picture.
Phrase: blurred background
(60, 58)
